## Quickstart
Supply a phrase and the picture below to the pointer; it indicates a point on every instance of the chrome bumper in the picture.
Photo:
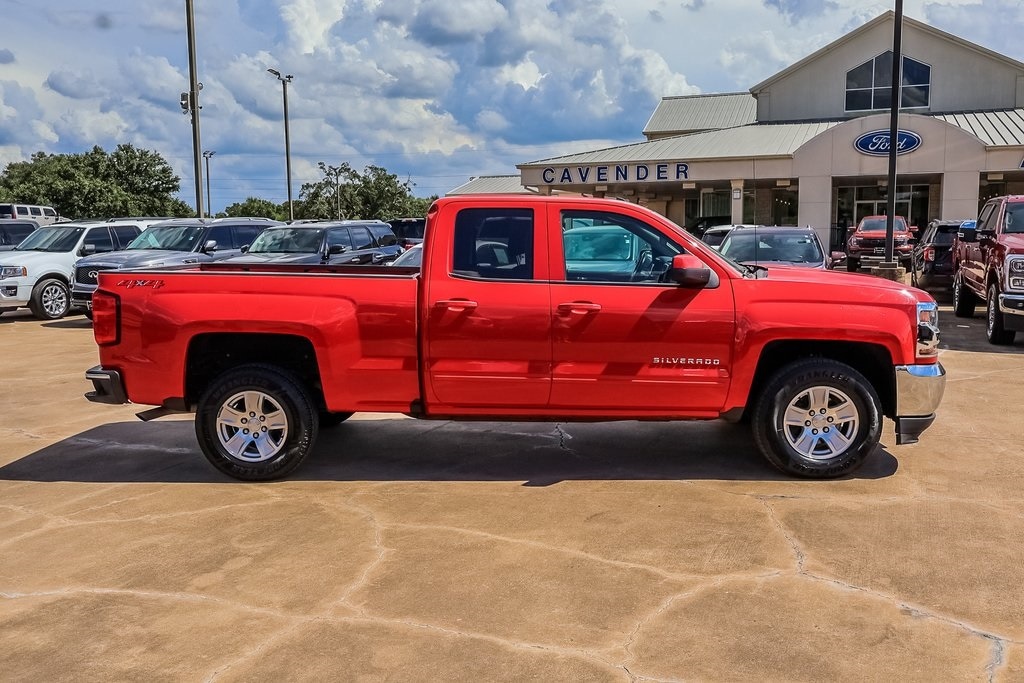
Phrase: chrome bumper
(1011, 304)
(919, 390)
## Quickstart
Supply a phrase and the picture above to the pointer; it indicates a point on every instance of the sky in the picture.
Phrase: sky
(434, 91)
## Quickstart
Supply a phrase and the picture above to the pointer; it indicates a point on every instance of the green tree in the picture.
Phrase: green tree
(255, 206)
(344, 192)
(126, 182)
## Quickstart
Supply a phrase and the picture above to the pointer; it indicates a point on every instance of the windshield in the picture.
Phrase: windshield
(878, 223)
(1014, 221)
(714, 238)
(170, 238)
(288, 241)
(52, 239)
(776, 247)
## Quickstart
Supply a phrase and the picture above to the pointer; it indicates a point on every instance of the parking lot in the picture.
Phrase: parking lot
(408, 550)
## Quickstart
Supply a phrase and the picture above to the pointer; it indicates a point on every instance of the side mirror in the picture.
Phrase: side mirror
(967, 234)
(244, 249)
(87, 250)
(336, 249)
(689, 271)
(836, 257)
(211, 245)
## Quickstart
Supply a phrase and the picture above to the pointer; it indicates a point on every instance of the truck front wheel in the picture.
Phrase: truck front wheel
(256, 423)
(963, 299)
(994, 330)
(817, 418)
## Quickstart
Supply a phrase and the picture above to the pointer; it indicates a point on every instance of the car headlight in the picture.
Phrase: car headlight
(13, 271)
(1017, 265)
(1015, 269)
(854, 241)
(927, 330)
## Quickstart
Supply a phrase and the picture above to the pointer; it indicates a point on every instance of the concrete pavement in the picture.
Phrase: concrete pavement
(406, 550)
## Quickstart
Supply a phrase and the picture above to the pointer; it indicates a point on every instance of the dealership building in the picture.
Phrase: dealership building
(810, 145)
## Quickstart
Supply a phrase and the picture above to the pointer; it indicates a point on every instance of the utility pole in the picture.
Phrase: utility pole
(285, 80)
(193, 105)
(894, 121)
(209, 202)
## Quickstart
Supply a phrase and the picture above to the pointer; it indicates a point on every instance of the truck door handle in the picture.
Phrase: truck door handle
(457, 305)
(578, 308)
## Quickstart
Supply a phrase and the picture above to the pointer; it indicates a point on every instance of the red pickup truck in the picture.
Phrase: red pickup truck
(988, 263)
(526, 308)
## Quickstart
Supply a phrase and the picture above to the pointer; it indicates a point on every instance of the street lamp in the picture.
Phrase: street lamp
(285, 80)
(209, 203)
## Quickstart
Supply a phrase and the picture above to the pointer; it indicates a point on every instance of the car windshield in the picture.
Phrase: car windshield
(169, 238)
(879, 224)
(598, 244)
(413, 257)
(1014, 221)
(714, 238)
(777, 247)
(52, 239)
(943, 235)
(288, 241)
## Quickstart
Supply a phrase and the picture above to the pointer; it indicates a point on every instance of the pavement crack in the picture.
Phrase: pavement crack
(798, 552)
(380, 552)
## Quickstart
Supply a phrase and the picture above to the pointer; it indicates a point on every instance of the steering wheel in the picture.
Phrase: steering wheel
(644, 269)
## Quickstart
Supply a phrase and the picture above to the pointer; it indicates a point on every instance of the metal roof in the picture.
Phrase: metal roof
(491, 184)
(701, 112)
(1003, 128)
(757, 140)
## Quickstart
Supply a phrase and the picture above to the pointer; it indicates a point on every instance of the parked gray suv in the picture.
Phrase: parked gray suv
(170, 243)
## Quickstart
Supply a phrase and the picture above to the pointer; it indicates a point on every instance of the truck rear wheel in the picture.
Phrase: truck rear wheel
(817, 418)
(994, 330)
(256, 423)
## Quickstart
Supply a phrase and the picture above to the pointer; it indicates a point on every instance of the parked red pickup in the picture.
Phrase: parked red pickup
(988, 262)
(526, 308)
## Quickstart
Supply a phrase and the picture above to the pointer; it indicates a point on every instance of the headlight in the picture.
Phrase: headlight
(854, 241)
(901, 240)
(1017, 265)
(927, 330)
(12, 271)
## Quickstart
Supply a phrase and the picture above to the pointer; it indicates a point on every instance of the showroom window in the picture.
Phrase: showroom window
(869, 86)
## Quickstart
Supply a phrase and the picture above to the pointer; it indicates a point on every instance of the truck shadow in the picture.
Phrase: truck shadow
(537, 454)
(967, 334)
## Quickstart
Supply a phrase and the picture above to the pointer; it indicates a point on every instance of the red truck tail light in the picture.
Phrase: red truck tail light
(106, 318)
(929, 254)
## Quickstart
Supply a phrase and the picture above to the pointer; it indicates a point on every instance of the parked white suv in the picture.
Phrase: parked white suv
(43, 215)
(38, 271)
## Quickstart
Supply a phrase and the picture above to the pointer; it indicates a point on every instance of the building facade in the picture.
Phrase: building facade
(809, 146)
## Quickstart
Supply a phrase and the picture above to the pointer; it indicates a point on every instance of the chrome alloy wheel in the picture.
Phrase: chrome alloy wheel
(252, 426)
(55, 300)
(821, 423)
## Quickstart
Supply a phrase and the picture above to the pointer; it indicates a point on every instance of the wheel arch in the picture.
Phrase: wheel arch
(871, 360)
(211, 354)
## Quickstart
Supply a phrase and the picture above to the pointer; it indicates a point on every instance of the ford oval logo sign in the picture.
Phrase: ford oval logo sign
(876, 143)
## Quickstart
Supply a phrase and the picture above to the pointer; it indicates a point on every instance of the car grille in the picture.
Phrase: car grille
(870, 244)
(86, 275)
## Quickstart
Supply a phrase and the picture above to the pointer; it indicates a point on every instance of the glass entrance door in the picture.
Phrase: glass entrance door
(879, 207)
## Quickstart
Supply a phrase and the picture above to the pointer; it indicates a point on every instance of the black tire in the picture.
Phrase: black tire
(87, 313)
(964, 300)
(333, 419)
(51, 299)
(841, 399)
(268, 394)
(852, 265)
(994, 329)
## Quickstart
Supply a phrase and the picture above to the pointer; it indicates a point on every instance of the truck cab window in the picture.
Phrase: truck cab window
(494, 244)
(607, 247)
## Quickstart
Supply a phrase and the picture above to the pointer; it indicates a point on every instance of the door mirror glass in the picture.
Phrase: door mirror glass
(335, 249)
(211, 245)
(87, 249)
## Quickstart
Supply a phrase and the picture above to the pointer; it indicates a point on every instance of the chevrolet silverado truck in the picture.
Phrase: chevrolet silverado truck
(988, 262)
(525, 308)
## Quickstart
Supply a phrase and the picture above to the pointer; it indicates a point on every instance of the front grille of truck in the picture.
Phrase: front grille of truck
(86, 275)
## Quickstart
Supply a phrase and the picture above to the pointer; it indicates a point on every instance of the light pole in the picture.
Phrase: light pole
(209, 203)
(191, 98)
(285, 80)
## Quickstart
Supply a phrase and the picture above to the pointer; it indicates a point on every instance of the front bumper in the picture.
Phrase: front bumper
(81, 295)
(919, 390)
(16, 292)
(1012, 308)
(107, 386)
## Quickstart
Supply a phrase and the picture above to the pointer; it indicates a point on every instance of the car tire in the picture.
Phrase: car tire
(852, 265)
(333, 419)
(87, 313)
(817, 418)
(51, 299)
(994, 329)
(964, 300)
(274, 400)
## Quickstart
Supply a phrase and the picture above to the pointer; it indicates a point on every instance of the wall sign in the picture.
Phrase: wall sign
(876, 143)
(610, 173)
